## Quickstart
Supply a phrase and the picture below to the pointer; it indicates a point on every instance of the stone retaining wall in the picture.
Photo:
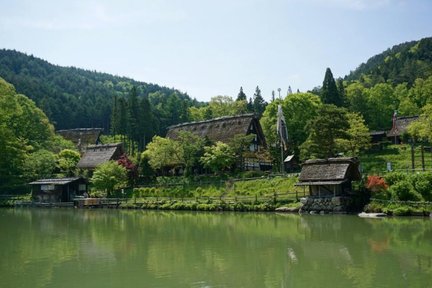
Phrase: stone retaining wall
(325, 205)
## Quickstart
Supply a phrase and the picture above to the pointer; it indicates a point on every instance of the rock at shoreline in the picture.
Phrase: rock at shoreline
(288, 209)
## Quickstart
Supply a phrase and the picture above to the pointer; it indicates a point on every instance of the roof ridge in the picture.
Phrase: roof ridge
(212, 120)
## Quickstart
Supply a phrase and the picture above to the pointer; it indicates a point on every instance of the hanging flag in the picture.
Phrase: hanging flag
(282, 128)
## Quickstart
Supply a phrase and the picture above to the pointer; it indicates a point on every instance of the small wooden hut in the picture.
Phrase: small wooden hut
(95, 155)
(224, 129)
(400, 126)
(330, 177)
(58, 190)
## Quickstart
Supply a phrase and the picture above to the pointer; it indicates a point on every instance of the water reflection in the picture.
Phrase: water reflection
(94, 248)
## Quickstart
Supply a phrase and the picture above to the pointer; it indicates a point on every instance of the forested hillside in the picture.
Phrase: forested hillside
(73, 97)
(402, 63)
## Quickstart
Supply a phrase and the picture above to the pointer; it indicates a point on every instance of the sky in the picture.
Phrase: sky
(209, 48)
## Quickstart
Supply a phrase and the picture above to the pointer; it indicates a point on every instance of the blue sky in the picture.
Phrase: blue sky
(210, 48)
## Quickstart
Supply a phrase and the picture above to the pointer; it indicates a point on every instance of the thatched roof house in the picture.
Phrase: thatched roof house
(58, 190)
(98, 154)
(82, 137)
(222, 129)
(329, 177)
(399, 127)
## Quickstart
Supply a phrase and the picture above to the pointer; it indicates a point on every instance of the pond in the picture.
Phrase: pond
(119, 248)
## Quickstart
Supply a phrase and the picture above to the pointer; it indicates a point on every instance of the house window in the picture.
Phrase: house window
(82, 187)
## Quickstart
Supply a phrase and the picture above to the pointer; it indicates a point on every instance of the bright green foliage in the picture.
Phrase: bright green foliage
(24, 130)
(421, 92)
(358, 136)
(40, 164)
(422, 128)
(410, 187)
(185, 152)
(382, 103)
(325, 129)
(217, 107)
(163, 152)
(191, 149)
(298, 109)
(67, 161)
(218, 157)
(109, 177)
(329, 91)
(357, 98)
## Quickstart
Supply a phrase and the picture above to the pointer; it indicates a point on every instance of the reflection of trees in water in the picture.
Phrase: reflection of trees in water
(232, 249)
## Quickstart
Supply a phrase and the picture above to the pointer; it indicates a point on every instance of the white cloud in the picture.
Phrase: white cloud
(90, 15)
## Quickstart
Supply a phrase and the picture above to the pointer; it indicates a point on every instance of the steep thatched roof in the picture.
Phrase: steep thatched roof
(82, 136)
(221, 129)
(329, 171)
(98, 154)
(55, 181)
(401, 125)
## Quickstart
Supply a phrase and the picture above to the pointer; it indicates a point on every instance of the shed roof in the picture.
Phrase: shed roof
(55, 181)
(401, 124)
(330, 170)
(98, 154)
(220, 129)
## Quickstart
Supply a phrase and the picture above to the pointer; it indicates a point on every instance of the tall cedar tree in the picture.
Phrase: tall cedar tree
(146, 123)
(241, 95)
(133, 118)
(329, 90)
(259, 103)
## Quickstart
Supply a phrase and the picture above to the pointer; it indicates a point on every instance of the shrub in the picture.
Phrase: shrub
(395, 177)
(404, 191)
(423, 185)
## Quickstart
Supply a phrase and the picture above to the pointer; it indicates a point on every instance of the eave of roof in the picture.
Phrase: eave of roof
(320, 183)
(59, 181)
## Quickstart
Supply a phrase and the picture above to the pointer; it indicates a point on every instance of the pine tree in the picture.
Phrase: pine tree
(241, 95)
(341, 91)
(329, 91)
(259, 103)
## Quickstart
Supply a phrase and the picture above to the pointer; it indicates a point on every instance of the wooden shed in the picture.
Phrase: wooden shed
(329, 177)
(58, 190)
(95, 155)
(224, 129)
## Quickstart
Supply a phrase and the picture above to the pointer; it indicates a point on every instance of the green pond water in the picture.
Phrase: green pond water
(115, 248)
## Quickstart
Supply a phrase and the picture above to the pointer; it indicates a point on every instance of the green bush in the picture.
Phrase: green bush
(404, 191)
(395, 177)
(422, 183)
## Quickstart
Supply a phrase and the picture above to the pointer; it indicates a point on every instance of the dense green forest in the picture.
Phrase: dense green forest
(73, 97)
(402, 63)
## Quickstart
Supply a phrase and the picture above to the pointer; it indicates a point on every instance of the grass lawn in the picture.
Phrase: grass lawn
(375, 162)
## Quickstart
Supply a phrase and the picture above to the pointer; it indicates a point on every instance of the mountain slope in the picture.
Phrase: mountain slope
(73, 97)
(401, 63)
